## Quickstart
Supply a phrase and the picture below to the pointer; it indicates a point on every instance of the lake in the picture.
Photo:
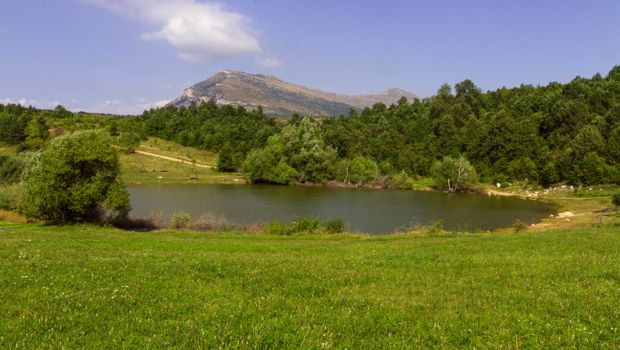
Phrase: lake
(366, 210)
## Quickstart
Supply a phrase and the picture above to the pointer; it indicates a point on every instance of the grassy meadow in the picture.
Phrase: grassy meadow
(92, 287)
(192, 165)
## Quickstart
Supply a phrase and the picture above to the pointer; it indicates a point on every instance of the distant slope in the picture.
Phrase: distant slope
(278, 97)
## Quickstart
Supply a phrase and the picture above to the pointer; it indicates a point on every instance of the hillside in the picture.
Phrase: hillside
(278, 97)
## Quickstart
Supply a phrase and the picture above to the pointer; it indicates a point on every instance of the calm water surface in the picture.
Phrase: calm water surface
(372, 211)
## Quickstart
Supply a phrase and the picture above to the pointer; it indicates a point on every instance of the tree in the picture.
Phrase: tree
(129, 141)
(61, 112)
(269, 165)
(307, 151)
(36, 132)
(75, 179)
(454, 175)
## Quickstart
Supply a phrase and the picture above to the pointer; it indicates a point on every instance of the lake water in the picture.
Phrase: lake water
(366, 210)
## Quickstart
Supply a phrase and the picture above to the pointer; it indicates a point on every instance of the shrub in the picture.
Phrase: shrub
(435, 226)
(180, 220)
(335, 225)
(277, 228)
(615, 199)
(212, 222)
(308, 224)
(519, 226)
(129, 141)
(77, 178)
(454, 175)
(11, 169)
(10, 197)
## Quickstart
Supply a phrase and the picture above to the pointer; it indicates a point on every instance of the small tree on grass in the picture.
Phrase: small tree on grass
(454, 175)
(75, 179)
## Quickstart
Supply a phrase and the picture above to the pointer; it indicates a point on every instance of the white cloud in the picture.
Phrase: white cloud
(117, 106)
(114, 106)
(200, 31)
(269, 62)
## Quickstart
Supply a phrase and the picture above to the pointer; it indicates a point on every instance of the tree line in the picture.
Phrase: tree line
(558, 133)
(540, 134)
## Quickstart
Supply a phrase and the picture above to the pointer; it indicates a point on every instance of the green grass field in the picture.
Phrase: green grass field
(90, 287)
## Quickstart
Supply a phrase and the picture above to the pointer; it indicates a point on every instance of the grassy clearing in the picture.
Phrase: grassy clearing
(171, 149)
(89, 287)
(142, 169)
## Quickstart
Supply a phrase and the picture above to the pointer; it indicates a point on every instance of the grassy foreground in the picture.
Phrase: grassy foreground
(90, 287)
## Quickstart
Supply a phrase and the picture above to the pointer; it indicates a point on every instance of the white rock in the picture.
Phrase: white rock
(566, 214)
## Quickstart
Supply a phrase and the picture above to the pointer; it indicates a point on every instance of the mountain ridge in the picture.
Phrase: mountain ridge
(278, 97)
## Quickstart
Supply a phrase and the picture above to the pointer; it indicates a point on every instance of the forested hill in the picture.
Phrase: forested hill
(549, 134)
(545, 134)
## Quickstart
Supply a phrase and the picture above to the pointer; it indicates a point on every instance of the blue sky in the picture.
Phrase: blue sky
(122, 56)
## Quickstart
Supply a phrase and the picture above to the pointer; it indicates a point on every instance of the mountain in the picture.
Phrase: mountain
(278, 97)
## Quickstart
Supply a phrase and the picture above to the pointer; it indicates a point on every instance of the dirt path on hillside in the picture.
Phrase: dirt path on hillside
(178, 160)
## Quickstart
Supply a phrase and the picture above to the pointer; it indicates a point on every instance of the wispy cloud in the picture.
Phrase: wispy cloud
(269, 62)
(200, 31)
(113, 106)
(117, 106)
(28, 102)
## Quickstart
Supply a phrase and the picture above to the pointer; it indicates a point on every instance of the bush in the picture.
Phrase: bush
(435, 226)
(11, 169)
(308, 224)
(212, 222)
(519, 226)
(615, 199)
(335, 225)
(11, 197)
(277, 228)
(180, 220)
(75, 179)
(129, 141)
(454, 175)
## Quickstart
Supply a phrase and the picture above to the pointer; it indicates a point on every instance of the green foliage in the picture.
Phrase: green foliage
(298, 153)
(229, 159)
(11, 169)
(11, 196)
(454, 175)
(12, 127)
(129, 141)
(37, 133)
(566, 133)
(74, 179)
(615, 199)
(335, 225)
(269, 165)
(233, 132)
(360, 170)
(277, 228)
(61, 112)
(307, 152)
(180, 220)
(435, 226)
(519, 226)
(308, 224)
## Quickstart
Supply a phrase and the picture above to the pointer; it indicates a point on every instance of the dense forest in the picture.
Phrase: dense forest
(558, 133)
